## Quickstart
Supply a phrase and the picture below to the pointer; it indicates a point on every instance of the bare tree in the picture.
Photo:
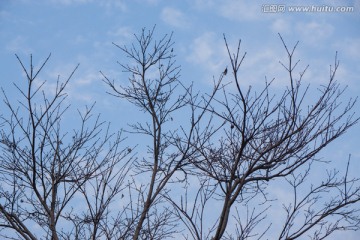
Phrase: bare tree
(154, 87)
(44, 169)
(156, 97)
(210, 177)
(264, 138)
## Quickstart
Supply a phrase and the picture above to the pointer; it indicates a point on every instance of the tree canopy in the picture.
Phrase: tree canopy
(210, 176)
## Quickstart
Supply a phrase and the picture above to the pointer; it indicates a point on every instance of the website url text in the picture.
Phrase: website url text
(282, 8)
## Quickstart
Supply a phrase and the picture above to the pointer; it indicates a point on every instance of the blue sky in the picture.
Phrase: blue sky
(82, 31)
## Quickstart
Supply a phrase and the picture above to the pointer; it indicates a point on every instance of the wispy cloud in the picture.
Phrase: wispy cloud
(208, 52)
(204, 4)
(121, 33)
(152, 2)
(237, 10)
(281, 25)
(109, 4)
(350, 46)
(19, 45)
(240, 10)
(88, 79)
(69, 2)
(103, 3)
(174, 17)
(4, 14)
(314, 32)
(264, 63)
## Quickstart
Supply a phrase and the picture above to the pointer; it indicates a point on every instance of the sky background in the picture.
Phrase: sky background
(82, 31)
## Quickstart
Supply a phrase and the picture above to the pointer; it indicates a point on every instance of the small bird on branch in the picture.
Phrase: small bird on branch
(225, 71)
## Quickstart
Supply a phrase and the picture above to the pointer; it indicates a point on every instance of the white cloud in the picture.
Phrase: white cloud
(240, 10)
(122, 32)
(75, 88)
(202, 48)
(260, 64)
(19, 45)
(69, 2)
(314, 32)
(349, 46)
(203, 4)
(109, 4)
(234, 10)
(174, 17)
(87, 79)
(152, 2)
(79, 39)
(103, 3)
(4, 14)
(208, 52)
(281, 25)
